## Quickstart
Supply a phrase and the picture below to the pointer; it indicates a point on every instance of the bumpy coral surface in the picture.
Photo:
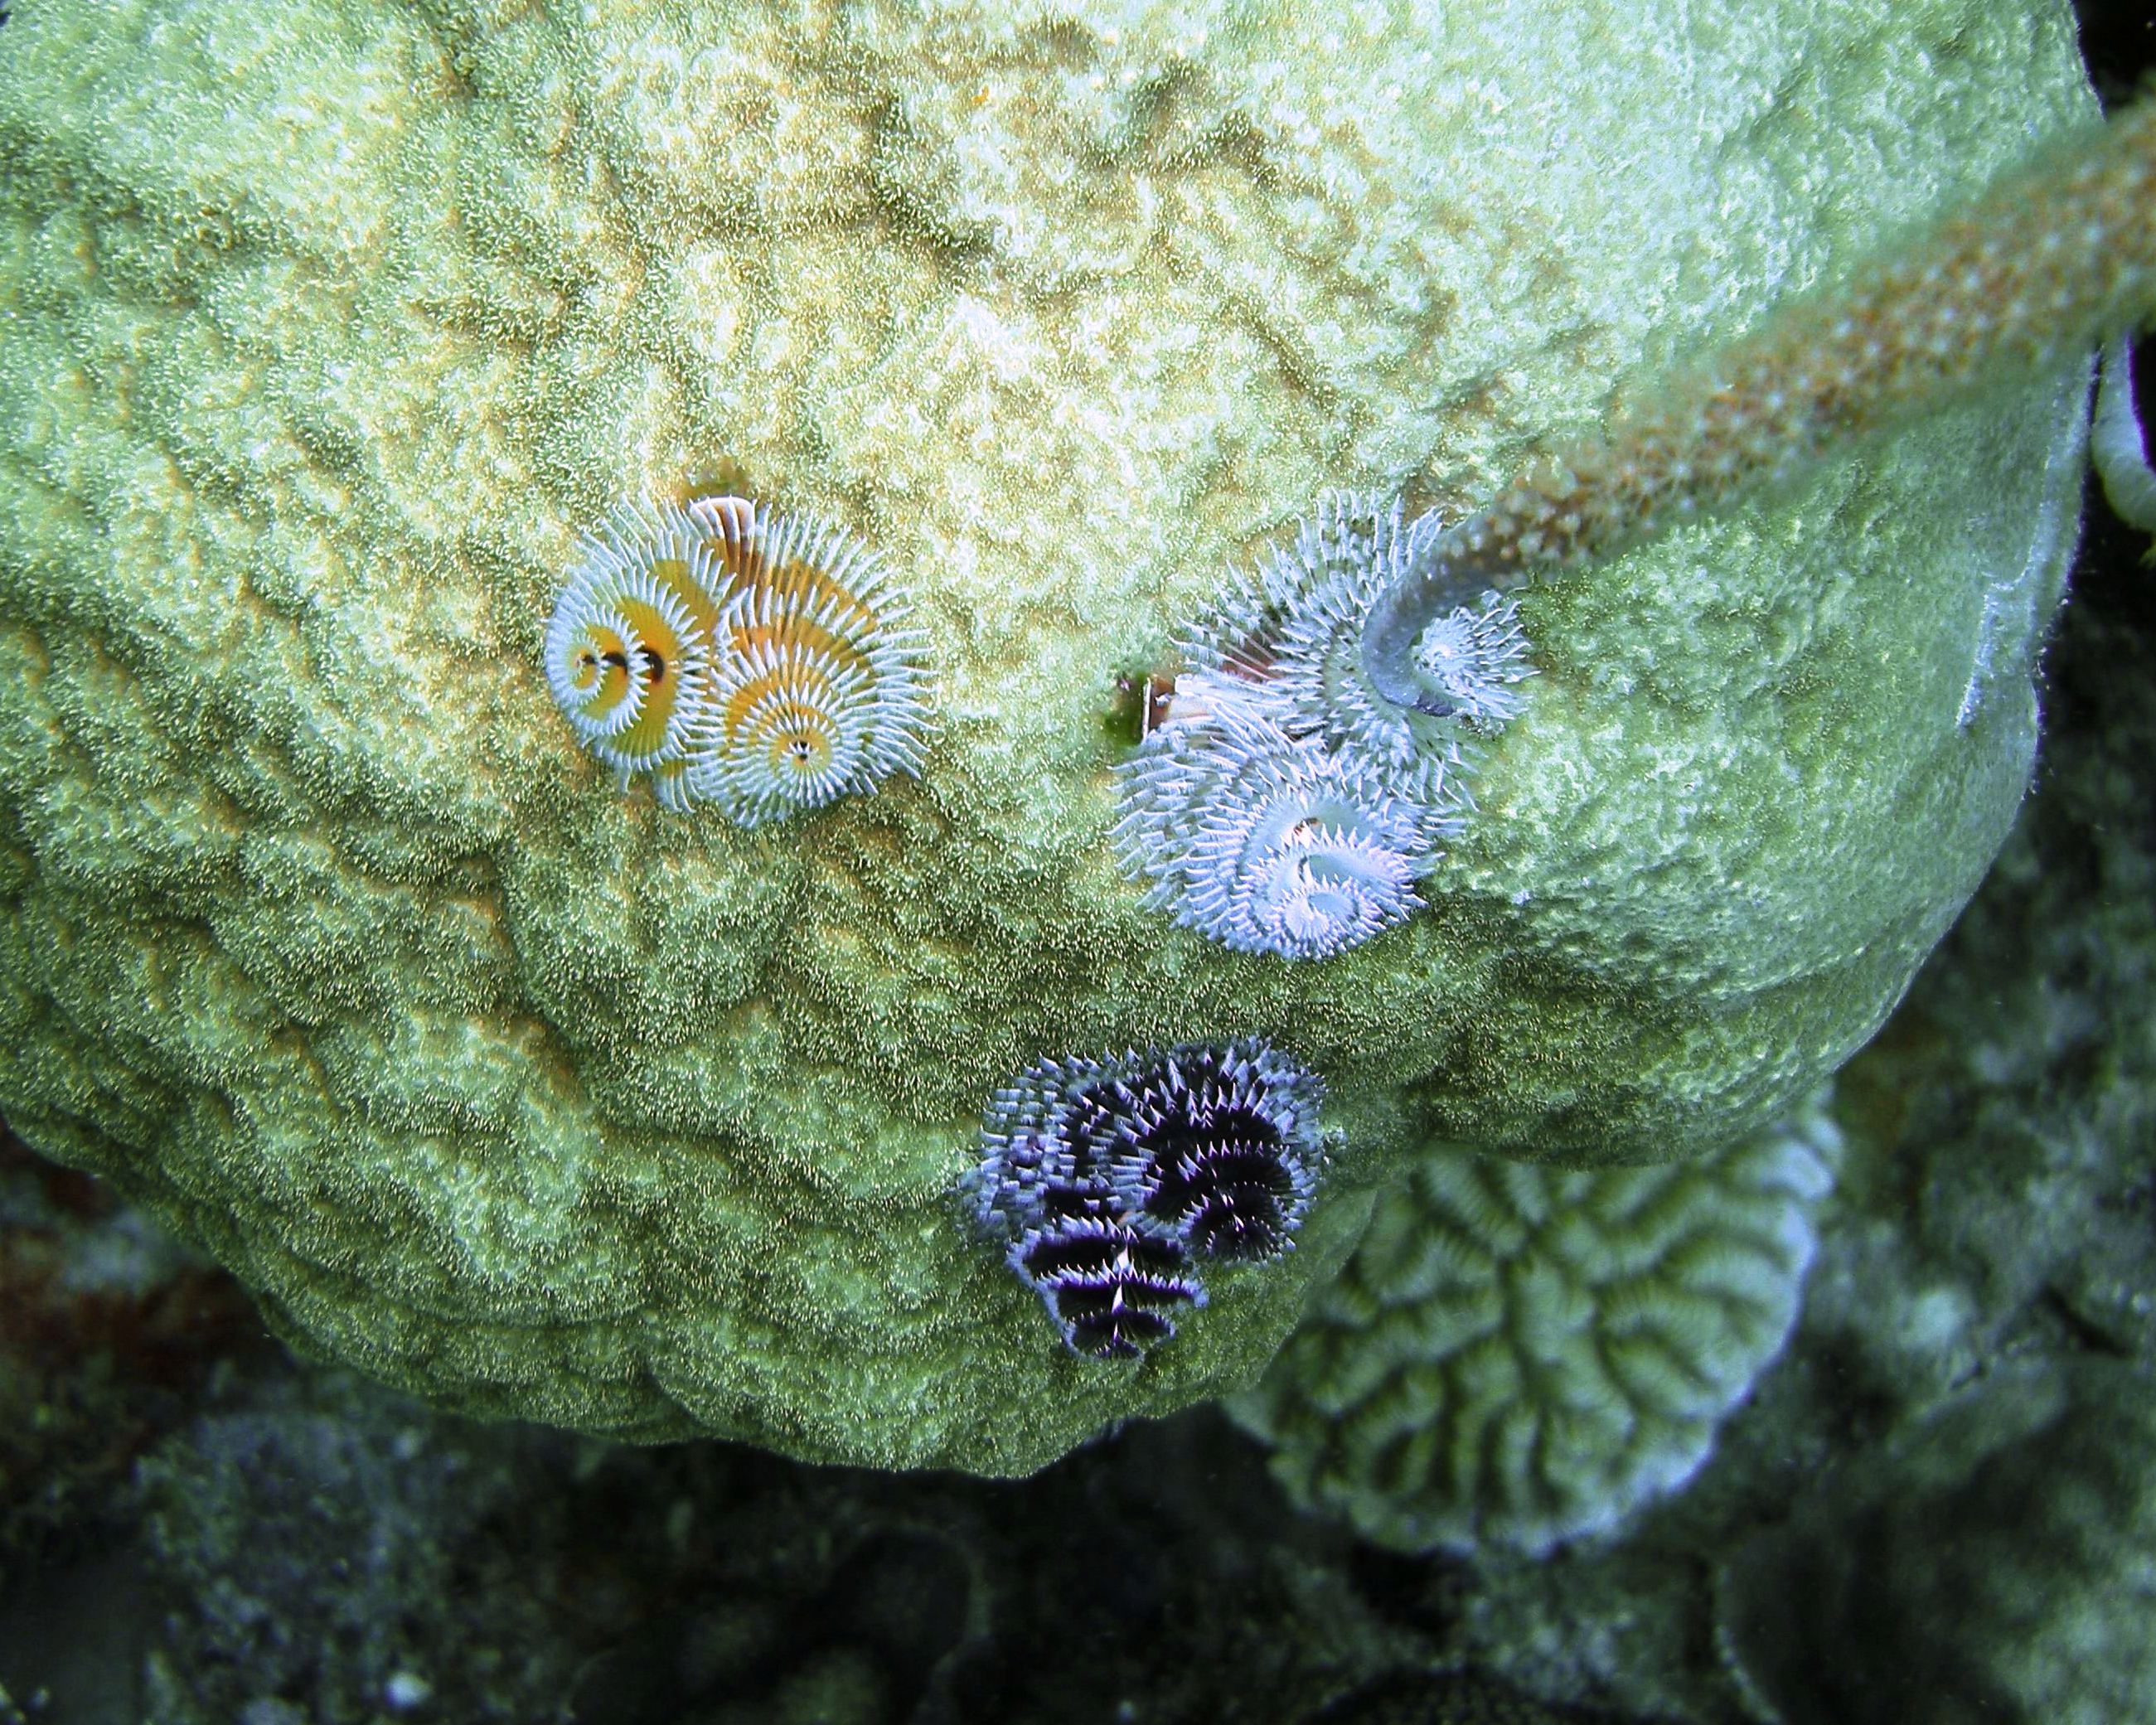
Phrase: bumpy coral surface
(1520, 1356)
(330, 324)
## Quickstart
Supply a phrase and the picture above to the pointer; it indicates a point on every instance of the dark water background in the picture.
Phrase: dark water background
(193, 1528)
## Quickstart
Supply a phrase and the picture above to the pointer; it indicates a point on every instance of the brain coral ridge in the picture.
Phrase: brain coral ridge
(1518, 1355)
(327, 326)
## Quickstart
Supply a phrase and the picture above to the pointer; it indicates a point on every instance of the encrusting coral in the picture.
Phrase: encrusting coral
(1518, 1355)
(330, 324)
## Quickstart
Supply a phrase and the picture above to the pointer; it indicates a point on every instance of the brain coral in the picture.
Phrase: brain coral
(330, 325)
(1519, 1356)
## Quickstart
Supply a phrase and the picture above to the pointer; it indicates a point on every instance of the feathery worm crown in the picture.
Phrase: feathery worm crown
(1112, 1179)
(628, 650)
(1283, 804)
(758, 661)
(818, 685)
(1352, 549)
(1265, 842)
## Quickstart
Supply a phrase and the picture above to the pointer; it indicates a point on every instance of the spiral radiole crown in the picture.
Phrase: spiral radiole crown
(628, 649)
(763, 662)
(1284, 804)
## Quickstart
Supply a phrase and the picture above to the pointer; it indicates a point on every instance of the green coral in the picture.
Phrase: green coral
(1517, 1356)
(328, 323)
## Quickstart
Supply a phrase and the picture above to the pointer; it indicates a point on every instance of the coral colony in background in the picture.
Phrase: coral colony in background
(1522, 1356)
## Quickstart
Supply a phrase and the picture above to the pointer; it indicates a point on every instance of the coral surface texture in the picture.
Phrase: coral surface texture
(330, 331)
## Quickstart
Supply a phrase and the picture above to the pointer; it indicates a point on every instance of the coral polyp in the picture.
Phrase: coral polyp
(628, 649)
(1268, 843)
(818, 685)
(1110, 1177)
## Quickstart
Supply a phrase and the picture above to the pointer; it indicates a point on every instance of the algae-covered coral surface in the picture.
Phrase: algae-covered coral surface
(326, 327)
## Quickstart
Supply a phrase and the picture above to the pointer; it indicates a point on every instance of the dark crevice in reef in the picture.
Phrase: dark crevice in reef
(2119, 41)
